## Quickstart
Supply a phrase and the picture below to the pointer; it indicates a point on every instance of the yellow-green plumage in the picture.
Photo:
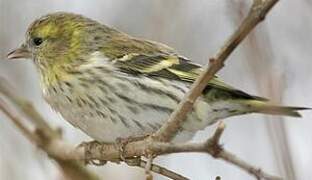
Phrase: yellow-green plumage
(112, 85)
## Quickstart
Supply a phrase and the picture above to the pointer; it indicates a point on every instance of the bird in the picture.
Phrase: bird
(112, 85)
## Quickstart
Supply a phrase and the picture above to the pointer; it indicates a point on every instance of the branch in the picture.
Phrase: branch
(16, 121)
(155, 168)
(110, 152)
(256, 14)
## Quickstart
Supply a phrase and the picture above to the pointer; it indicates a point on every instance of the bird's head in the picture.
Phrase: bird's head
(60, 39)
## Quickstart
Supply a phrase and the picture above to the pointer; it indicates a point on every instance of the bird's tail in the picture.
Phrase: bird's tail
(267, 108)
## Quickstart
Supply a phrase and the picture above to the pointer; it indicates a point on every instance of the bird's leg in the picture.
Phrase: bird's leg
(122, 142)
(88, 146)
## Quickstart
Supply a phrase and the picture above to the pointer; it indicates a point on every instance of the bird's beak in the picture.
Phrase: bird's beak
(19, 53)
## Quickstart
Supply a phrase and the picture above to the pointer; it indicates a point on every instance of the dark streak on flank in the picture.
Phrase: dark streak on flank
(54, 89)
(74, 72)
(102, 82)
(171, 84)
(159, 108)
(111, 100)
(103, 89)
(60, 85)
(113, 112)
(91, 114)
(93, 101)
(133, 109)
(154, 90)
(152, 126)
(56, 78)
(85, 85)
(105, 103)
(103, 69)
(96, 38)
(123, 86)
(68, 84)
(79, 103)
(90, 72)
(113, 119)
(145, 105)
(221, 109)
(83, 101)
(233, 111)
(101, 114)
(138, 124)
(158, 91)
(91, 105)
(179, 88)
(124, 121)
(69, 99)
(158, 125)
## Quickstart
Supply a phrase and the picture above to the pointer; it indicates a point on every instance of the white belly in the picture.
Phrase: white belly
(110, 106)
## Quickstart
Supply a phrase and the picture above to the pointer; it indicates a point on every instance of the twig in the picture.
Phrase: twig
(256, 14)
(148, 167)
(26, 107)
(29, 135)
(271, 83)
(257, 172)
(155, 168)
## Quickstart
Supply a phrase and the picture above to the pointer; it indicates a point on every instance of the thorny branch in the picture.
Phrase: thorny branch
(158, 144)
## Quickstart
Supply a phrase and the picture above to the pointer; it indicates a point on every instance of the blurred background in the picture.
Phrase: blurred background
(274, 61)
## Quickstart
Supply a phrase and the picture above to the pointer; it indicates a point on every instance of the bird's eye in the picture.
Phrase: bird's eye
(37, 41)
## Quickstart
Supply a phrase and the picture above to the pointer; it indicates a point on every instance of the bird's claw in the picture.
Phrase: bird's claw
(122, 142)
(88, 146)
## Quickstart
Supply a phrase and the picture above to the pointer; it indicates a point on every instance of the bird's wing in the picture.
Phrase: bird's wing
(161, 65)
(176, 68)
(149, 58)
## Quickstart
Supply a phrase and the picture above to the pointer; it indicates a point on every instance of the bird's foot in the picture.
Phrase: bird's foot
(122, 142)
(88, 146)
